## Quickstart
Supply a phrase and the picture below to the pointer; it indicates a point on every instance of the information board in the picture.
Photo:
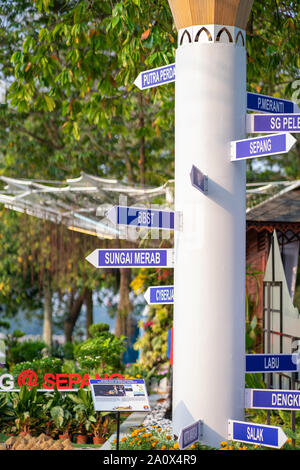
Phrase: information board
(119, 395)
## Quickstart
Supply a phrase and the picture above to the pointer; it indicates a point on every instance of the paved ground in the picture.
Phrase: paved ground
(134, 420)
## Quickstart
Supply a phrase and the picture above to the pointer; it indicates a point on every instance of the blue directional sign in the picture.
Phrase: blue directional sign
(259, 434)
(259, 123)
(190, 434)
(273, 144)
(268, 104)
(198, 179)
(160, 295)
(156, 77)
(141, 217)
(272, 363)
(272, 399)
(131, 258)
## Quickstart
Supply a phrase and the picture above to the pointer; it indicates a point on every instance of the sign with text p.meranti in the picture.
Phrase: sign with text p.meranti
(156, 77)
(119, 395)
(262, 363)
(264, 146)
(269, 104)
(143, 217)
(132, 258)
(190, 434)
(260, 123)
(257, 434)
(271, 399)
(159, 295)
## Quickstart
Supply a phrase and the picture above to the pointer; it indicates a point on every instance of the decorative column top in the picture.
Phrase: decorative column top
(189, 13)
(212, 33)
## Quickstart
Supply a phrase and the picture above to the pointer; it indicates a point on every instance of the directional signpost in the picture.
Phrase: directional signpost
(190, 434)
(259, 434)
(156, 77)
(259, 123)
(268, 104)
(262, 363)
(141, 217)
(160, 295)
(262, 146)
(255, 101)
(272, 399)
(131, 258)
(198, 179)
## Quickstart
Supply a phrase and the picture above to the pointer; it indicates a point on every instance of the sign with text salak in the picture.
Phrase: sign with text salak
(259, 434)
(273, 144)
(270, 399)
(142, 217)
(156, 77)
(262, 363)
(131, 258)
(260, 123)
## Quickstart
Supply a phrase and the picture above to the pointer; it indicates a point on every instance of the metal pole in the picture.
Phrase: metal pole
(118, 430)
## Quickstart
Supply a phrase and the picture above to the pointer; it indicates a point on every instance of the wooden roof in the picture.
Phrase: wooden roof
(200, 12)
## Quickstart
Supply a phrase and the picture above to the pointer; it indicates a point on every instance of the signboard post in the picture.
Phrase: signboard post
(272, 399)
(260, 123)
(141, 217)
(190, 434)
(273, 144)
(132, 258)
(156, 77)
(160, 295)
(264, 363)
(257, 434)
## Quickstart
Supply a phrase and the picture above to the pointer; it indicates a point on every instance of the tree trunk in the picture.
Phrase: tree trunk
(72, 316)
(47, 326)
(142, 140)
(124, 307)
(89, 310)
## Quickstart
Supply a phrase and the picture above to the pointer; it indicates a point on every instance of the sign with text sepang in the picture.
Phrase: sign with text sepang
(50, 381)
(273, 144)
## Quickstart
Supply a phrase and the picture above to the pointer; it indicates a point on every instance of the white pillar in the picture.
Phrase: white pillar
(209, 276)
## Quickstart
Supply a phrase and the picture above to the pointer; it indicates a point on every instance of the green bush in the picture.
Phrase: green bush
(102, 352)
(23, 351)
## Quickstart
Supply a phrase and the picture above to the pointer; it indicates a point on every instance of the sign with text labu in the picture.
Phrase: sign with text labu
(119, 395)
(132, 258)
(256, 363)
